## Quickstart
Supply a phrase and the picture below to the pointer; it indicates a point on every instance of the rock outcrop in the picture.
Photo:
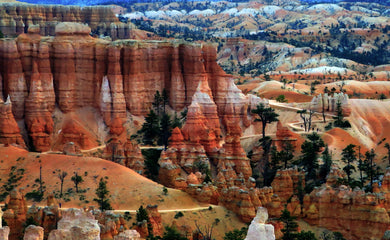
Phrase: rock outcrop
(17, 18)
(347, 211)
(74, 71)
(16, 214)
(76, 224)
(9, 129)
(155, 220)
(128, 235)
(4, 231)
(258, 229)
(33, 233)
(111, 224)
(329, 103)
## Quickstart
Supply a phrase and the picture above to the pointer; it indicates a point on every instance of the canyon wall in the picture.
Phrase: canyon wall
(47, 80)
(17, 18)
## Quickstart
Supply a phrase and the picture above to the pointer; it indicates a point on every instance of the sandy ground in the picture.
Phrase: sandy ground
(128, 189)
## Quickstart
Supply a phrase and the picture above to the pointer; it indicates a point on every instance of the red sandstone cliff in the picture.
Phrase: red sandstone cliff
(47, 76)
(17, 18)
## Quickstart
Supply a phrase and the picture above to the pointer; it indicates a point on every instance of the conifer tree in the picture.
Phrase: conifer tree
(103, 196)
(290, 225)
(326, 165)
(349, 157)
(309, 159)
(266, 115)
(150, 129)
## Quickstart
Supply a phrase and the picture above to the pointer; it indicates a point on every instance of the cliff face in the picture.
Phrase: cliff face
(17, 18)
(73, 71)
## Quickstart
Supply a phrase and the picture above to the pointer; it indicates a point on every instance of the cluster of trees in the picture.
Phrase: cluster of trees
(313, 149)
(158, 123)
(290, 230)
(368, 170)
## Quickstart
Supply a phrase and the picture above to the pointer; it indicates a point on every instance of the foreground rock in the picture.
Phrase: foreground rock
(4, 231)
(75, 225)
(258, 229)
(33, 233)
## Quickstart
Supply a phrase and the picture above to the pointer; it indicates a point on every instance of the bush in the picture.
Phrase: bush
(179, 215)
(281, 99)
(127, 216)
(236, 234)
(172, 234)
(329, 126)
(34, 195)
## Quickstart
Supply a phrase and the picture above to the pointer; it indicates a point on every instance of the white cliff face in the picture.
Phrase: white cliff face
(258, 229)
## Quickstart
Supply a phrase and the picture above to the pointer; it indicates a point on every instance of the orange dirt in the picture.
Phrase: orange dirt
(128, 189)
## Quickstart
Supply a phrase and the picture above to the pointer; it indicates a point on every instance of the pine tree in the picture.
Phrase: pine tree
(266, 115)
(176, 122)
(103, 196)
(309, 159)
(326, 165)
(372, 170)
(290, 225)
(157, 102)
(142, 214)
(150, 129)
(172, 234)
(164, 99)
(349, 157)
(165, 129)
(77, 179)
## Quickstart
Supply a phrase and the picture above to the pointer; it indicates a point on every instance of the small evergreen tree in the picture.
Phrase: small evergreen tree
(306, 236)
(103, 196)
(269, 170)
(151, 162)
(349, 157)
(236, 234)
(77, 179)
(281, 99)
(326, 165)
(165, 130)
(142, 214)
(290, 225)
(372, 170)
(287, 153)
(150, 129)
(157, 102)
(164, 99)
(309, 159)
(172, 234)
(176, 122)
(339, 119)
(266, 115)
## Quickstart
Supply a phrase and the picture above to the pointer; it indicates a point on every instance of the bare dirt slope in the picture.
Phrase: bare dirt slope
(128, 189)
(370, 120)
